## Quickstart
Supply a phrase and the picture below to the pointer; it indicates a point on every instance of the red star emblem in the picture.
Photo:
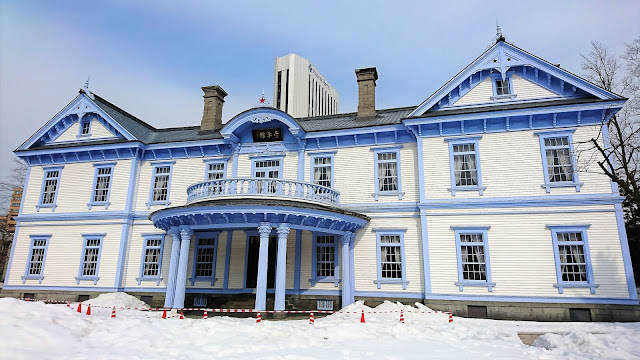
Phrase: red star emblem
(262, 100)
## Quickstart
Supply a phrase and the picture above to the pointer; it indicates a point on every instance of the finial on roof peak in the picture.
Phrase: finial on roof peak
(499, 36)
(85, 88)
(263, 101)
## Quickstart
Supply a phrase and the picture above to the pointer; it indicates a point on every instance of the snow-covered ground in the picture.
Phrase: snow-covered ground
(37, 330)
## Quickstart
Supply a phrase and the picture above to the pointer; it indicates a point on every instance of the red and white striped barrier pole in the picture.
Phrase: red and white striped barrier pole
(113, 313)
(205, 316)
(450, 317)
(311, 319)
(401, 317)
(258, 318)
(89, 309)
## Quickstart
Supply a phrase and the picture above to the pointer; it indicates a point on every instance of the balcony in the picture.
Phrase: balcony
(262, 187)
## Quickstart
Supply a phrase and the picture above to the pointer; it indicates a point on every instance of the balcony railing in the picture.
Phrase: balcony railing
(236, 187)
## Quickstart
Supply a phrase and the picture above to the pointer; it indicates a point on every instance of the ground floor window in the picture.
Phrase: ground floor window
(472, 251)
(90, 261)
(325, 259)
(37, 256)
(151, 264)
(391, 257)
(204, 264)
(572, 258)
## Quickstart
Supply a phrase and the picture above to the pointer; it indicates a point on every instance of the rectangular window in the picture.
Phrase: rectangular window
(151, 263)
(266, 169)
(322, 171)
(37, 255)
(50, 186)
(464, 165)
(204, 265)
(473, 257)
(325, 259)
(558, 160)
(86, 127)
(391, 257)
(160, 184)
(502, 87)
(387, 172)
(101, 185)
(90, 261)
(573, 262)
(215, 171)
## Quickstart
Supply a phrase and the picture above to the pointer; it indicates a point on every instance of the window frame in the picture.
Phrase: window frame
(197, 236)
(81, 123)
(380, 280)
(47, 170)
(494, 86)
(40, 276)
(141, 276)
(314, 261)
(542, 135)
(97, 168)
(466, 230)
(257, 158)
(376, 178)
(312, 166)
(207, 162)
(155, 166)
(561, 284)
(96, 277)
(475, 140)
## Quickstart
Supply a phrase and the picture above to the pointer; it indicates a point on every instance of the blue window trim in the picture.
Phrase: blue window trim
(39, 277)
(458, 230)
(387, 149)
(199, 235)
(46, 170)
(475, 140)
(323, 154)
(81, 121)
(336, 270)
(207, 162)
(542, 135)
(267, 158)
(498, 76)
(106, 203)
(141, 277)
(561, 285)
(380, 280)
(94, 278)
(156, 165)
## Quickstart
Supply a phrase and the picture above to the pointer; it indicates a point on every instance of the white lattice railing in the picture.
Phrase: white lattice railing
(262, 187)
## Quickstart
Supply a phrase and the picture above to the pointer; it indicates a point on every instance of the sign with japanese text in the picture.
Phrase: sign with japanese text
(266, 135)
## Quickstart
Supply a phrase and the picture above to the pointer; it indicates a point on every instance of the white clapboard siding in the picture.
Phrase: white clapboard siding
(525, 89)
(365, 255)
(64, 253)
(71, 134)
(98, 131)
(521, 254)
(134, 255)
(480, 94)
(76, 188)
(511, 165)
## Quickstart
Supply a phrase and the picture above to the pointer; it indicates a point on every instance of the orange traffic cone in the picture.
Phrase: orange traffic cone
(258, 318)
(89, 309)
(181, 315)
(113, 313)
(450, 317)
(401, 317)
(205, 315)
(164, 313)
(80, 307)
(311, 319)
(362, 317)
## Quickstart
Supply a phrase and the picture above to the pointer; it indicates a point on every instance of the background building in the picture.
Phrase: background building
(7, 228)
(300, 90)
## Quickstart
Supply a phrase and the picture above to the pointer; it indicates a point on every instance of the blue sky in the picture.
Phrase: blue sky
(152, 57)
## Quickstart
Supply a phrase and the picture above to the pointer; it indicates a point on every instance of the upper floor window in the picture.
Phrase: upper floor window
(573, 261)
(215, 170)
(102, 185)
(387, 172)
(90, 262)
(204, 264)
(322, 171)
(85, 128)
(160, 184)
(558, 160)
(464, 163)
(50, 186)
(270, 169)
(151, 264)
(36, 259)
(325, 259)
(472, 251)
(391, 258)
(502, 88)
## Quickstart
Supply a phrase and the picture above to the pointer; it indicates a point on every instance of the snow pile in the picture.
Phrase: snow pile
(585, 345)
(397, 306)
(117, 299)
(423, 307)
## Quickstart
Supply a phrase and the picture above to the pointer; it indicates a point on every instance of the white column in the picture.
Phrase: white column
(347, 296)
(281, 266)
(263, 260)
(181, 278)
(173, 267)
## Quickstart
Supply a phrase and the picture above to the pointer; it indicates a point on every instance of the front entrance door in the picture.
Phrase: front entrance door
(252, 262)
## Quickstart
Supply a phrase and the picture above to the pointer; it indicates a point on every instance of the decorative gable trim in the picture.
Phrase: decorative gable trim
(70, 114)
(501, 58)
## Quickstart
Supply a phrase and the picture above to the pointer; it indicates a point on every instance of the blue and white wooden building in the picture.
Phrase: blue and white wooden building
(473, 197)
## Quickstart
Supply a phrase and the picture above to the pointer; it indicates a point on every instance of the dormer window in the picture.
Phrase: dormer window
(502, 87)
(85, 128)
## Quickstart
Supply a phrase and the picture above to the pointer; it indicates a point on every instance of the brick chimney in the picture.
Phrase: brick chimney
(213, 101)
(367, 91)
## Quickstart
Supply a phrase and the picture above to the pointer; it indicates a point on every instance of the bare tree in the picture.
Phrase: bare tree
(15, 179)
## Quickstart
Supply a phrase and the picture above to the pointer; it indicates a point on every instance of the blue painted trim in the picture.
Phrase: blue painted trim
(92, 201)
(200, 235)
(555, 229)
(62, 288)
(312, 166)
(459, 230)
(248, 117)
(81, 122)
(301, 165)
(158, 278)
(234, 171)
(75, 216)
(495, 76)
(626, 257)
(524, 201)
(47, 170)
(155, 166)
(475, 141)
(298, 260)
(547, 182)
(376, 190)
(389, 294)
(86, 238)
(227, 258)
(403, 281)
(532, 299)
(222, 160)
(40, 276)
(279, 158)
(133, 180)
(314, 261)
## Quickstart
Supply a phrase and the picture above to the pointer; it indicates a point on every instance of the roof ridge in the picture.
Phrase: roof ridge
(353, 113)
(119, 109)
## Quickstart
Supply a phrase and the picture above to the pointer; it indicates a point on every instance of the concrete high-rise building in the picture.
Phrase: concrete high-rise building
(300, 90)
